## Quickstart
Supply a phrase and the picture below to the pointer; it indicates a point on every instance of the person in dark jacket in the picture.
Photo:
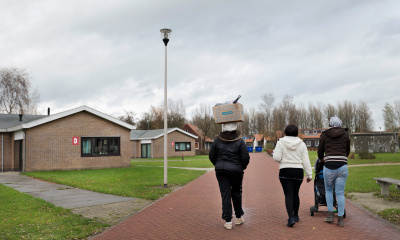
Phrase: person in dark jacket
(230, 157)
(334, 147)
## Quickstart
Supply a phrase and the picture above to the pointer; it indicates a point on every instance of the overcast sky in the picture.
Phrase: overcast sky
(109, 55)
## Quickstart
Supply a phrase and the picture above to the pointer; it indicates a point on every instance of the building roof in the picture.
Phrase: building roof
(249, 140)
(154, 134)
(259, 137)
(313, 136)
(29, 121)
(11, 120)
(195, 129)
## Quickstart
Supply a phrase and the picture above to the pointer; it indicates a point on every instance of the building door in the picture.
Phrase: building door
(18, 155)
(146, 150)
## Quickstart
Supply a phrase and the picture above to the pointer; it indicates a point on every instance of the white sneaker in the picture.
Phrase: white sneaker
(239, 221)
(228, 225)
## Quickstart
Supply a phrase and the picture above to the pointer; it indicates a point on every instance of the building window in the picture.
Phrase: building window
(100, 146)
(308, 143)
(305, 131)
(182, 146)
(316, 143)
(314, 131)
(196, 145)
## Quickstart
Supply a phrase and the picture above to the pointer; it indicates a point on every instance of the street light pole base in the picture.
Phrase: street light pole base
(165, 185)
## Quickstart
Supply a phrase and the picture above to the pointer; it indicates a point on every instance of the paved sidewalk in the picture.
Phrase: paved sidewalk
(194, 212)
(57, 194)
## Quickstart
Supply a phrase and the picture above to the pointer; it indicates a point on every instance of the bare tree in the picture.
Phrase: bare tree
(252, 121)
(176, 114)
(363, 119)
(15, 92)
(145, 122)
(346, 111)
(203, 118)
(396, 110)
(303, 117)
(267, 104)
(329, 111)
(129, 117)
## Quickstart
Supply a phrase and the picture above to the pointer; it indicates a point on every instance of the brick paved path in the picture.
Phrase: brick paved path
(194, 212)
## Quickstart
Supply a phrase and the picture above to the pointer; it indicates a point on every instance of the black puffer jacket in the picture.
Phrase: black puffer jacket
(229, 152)
(334, 142)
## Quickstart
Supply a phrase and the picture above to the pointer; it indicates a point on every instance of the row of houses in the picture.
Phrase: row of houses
(84, 138)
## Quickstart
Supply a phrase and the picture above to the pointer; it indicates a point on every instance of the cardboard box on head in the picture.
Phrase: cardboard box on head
(228, 113)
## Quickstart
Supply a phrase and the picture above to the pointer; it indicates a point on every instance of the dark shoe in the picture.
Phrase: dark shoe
(296, 218)
(290, 222)
(329, 217)
(340, 222)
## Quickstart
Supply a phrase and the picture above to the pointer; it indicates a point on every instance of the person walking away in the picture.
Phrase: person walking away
(230, 157)
(334, 147)
(292, 155)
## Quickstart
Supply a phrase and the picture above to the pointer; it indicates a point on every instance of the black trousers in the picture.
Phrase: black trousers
(291, 180)
(230, 186)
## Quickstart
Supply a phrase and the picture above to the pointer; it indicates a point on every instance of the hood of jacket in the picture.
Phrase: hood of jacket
(229, 136)
(335, 132)
(291, 143)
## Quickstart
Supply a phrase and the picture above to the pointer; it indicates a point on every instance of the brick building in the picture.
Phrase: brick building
(80, 138)
(150, 143)
(202, 142)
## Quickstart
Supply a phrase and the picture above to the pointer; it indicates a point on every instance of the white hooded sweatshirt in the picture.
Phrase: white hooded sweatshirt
(291, 152)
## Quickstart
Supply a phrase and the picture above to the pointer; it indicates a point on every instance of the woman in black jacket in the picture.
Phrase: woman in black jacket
(230, 157)
(333, 149)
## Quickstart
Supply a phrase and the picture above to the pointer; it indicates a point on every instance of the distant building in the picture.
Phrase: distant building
(150, 143)
(374, 142)
(311, 137)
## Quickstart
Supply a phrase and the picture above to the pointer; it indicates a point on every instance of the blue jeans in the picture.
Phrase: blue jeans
(335, 179)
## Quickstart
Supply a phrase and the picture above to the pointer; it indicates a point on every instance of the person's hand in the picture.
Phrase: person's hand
(309, 179)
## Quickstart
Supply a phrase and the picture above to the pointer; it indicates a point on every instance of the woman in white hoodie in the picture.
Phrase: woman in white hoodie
(292, 155)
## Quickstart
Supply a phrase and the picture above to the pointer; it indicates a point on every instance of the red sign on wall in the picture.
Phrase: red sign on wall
(172, 143)
(75, 141)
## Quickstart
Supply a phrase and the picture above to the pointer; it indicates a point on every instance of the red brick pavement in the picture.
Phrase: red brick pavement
(194, 212)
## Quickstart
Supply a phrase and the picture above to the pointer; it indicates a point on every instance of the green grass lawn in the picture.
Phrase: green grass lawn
(205, 163)
(380, 158)
(136, 181)
(197, 157)
(25, 217)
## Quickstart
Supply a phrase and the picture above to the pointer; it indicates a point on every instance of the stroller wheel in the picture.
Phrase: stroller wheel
(344, 214)
(312, 210)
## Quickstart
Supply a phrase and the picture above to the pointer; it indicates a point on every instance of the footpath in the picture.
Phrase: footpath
(194, 212)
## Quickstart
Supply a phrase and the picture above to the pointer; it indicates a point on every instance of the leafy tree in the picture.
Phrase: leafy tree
(389, 117)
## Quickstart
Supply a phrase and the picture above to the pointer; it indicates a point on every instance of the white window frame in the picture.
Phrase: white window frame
(314, 131)
(317, 143)
(308, 143)
(305, 131)
(196, 145)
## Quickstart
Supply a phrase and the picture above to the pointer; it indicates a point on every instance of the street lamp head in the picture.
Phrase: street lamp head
(165, 34)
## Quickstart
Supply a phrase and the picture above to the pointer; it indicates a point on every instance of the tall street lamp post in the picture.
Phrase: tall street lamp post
(165, 33)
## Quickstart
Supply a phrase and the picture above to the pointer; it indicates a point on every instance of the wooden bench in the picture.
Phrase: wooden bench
(385, 184)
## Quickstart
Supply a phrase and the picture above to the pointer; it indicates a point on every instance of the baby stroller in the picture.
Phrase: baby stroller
(319, 189)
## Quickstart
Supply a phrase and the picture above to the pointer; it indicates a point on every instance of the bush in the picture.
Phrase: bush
(202, 151)
(366, 155)
(351, 156)
(269, 146)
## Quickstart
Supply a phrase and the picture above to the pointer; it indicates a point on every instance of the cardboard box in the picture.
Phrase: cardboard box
(228, 113)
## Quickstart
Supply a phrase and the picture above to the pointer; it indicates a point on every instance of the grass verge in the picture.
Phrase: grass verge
(25, 217)
(391, 215)
(177, 163)
(136, 181)
(380, 158)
